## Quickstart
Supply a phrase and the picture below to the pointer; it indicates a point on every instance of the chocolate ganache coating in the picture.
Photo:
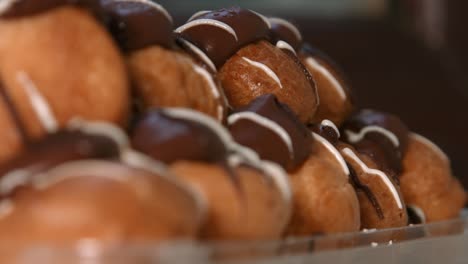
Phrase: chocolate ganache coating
(170, 139)
(284, 30)
(21, 8)
(223, 32)
(135, 24)
(273, 131)
(61, 147)
(382, 136)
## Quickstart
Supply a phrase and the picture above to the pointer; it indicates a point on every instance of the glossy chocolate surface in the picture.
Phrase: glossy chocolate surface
(134, 24)
(217, 42)
(264, 141)
(171, 139)
(62, 147)
(279, 31)
(376, 145)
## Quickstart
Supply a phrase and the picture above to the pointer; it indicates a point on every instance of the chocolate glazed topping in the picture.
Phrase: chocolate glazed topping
(21, 8)
(217, 42)
(376, 145)
(170, 139)
(134, 24)
(62, 147)
(326, 132)
(265, 141)
(281, 32)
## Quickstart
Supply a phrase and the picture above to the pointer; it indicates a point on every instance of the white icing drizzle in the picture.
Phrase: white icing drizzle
(348, 152)
(13, 179)
(38, 102)
(200, 54)
(191, 115)
(289, 25)
(100, 128)
(280, 178)
(430, 145)
(89, 249)
(418, 211)
(210, 22)
(6, 208)
(240, 154)
(265, 69)
(152, 4)
(328, 123)
(214, 89)
(333, 151)
(267, 123)
(314, 64)
(284, 45)
(80, 169)
(6, 4)
(197, 14)
(267, 22)
(356, 137)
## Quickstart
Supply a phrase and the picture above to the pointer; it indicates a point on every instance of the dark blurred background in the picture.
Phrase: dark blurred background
(405, 57)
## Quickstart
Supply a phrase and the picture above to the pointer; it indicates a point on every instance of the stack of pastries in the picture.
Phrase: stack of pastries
(120, 128)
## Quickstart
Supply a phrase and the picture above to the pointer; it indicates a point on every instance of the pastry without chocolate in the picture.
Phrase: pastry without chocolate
(52, 71)
(324, 201)
(336, 101)
(235, 40)
(247, 198)
(84, 183)
(427, 183)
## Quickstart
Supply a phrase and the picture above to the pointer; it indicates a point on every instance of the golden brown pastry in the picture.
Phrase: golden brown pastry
(163, 75)
(235, 40)
(247, 198)
(375, 143)
(51, 71)
(336, 101)
(324, 201)
(427, 183)
(85, 184)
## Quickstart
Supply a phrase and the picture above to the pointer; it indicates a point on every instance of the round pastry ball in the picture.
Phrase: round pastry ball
(324, 200)
(101, 200)
(427, 182)
(380, 199)
(261, 68)
(167, 78)
(245, 205)
(58, 65)
(336, 102)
